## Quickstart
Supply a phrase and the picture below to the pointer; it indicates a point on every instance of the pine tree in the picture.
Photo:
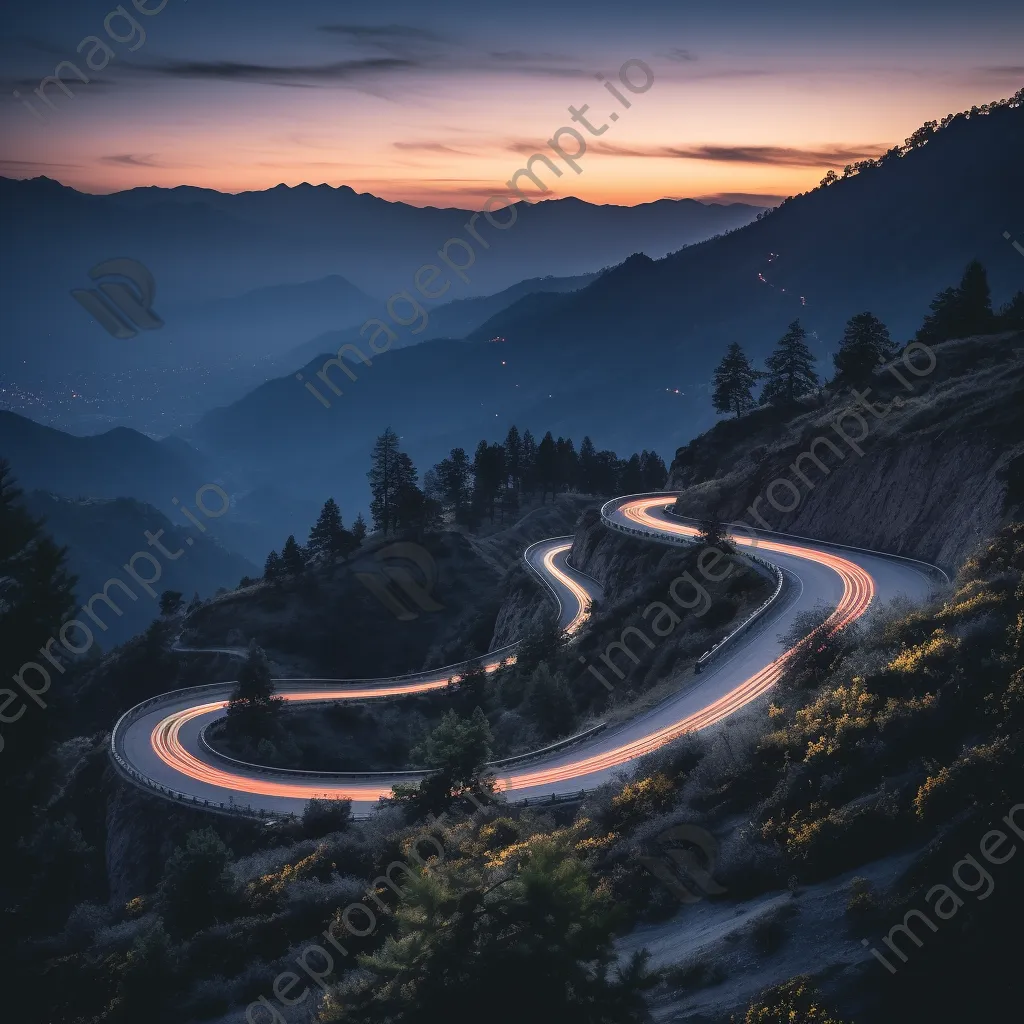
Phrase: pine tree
(1011, 316)
(253, 708)
(631, 475)
(359, 529)
(528, 463)
(328, 539)
(488, 477)
(734, 379)
(588, 466)
(385, 478)
(865, 344)
(566, 464)
(652, 470)
(293, 558)
(961, 312)
(514, 457)
(36, 596)
(171, 602)
(790, 368)
(453, 487)
(547, 465)
(272, 568)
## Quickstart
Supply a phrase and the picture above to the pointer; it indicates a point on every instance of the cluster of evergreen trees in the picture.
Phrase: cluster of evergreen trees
(960, 312)
(466, 491)
(500, 474)
(328, 539)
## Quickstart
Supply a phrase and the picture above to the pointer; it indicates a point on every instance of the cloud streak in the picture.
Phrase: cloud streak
(774, 156)
(431, 147)
(296, 75)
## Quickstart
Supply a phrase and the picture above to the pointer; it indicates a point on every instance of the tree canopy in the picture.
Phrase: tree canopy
(734, 381)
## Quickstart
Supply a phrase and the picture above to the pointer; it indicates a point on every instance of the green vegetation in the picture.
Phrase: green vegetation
(793, 1002)
(528, 911)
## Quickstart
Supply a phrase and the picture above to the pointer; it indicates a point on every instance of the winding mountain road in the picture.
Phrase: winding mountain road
(159, 744)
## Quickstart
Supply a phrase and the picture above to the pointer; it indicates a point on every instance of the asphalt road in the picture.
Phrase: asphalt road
(159, 744)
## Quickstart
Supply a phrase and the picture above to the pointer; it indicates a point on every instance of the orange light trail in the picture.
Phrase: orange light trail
(858, 591)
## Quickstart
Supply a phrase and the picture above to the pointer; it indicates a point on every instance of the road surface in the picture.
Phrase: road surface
(158, 744)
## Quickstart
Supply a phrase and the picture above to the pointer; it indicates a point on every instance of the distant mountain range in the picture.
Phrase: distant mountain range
(451, 320)
(203, 246)
(101, 535)
(607, 359)
(123, 463)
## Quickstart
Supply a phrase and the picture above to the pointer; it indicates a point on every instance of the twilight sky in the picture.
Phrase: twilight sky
(440, 104)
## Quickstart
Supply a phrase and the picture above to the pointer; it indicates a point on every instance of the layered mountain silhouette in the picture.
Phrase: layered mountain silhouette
(201, 246)
(607, 359)
(102, 534)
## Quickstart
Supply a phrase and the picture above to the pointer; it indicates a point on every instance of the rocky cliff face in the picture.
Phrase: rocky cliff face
(926, 471)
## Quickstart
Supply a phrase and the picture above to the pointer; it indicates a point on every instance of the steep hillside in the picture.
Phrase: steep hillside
(331, 622)
(941, 470)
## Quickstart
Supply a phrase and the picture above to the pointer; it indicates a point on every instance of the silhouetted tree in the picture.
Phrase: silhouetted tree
(328, 538)
(734, 380)
(293, 558)
(453, 490)
(1011, 316)
(387, 475)
(712, 532)
(865, 344)
(547, 465)
(960, 312)
(566, 464)
(488, 477)
(652, 470)
(273, 568)
(514, 457)
(790, 368)
(359, 529)
(528, 464)
(253, 709)
(170, 602)
(588, 466)
(631, 476)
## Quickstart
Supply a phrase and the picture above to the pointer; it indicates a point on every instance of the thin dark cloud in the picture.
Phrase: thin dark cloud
(1001, 71)
(296, 76)
(431, 147)
(750, 198)
(132, 160)
(35, 165)
(679, 54)
(523, 56)
(381, 33)
(779, 156)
